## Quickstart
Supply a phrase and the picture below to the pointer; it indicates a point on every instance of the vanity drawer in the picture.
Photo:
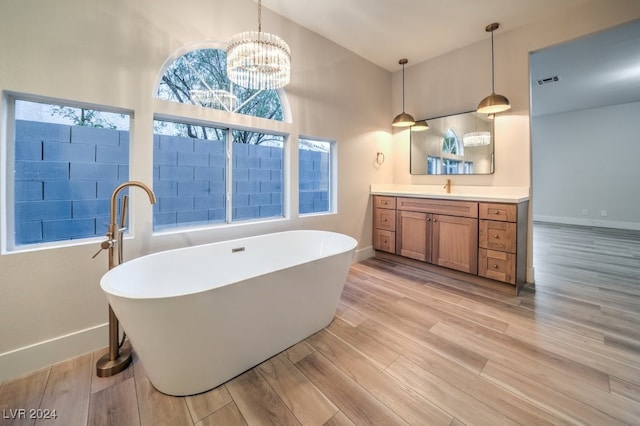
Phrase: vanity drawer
(383, 202)
(497, 265)
(384, 219)
(445, 207)
(496, 235)
(495, 211)
(384, 240)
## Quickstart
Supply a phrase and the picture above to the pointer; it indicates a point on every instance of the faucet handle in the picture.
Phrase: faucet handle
(106, 244)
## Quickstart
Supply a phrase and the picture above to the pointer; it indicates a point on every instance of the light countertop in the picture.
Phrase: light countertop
(498, 194)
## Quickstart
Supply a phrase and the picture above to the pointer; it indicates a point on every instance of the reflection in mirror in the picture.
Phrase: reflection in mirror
(453, 145)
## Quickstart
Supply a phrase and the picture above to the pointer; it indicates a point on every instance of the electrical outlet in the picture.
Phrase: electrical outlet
(603, 213)
(585, 212)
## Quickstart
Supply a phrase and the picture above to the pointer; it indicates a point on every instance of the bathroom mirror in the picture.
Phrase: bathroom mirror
(453, 145)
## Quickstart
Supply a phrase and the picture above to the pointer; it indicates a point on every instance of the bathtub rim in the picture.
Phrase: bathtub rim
(350, 245)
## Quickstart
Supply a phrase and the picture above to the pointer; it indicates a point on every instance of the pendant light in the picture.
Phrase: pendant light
(493, 103)
(403, 119)
(420, 126)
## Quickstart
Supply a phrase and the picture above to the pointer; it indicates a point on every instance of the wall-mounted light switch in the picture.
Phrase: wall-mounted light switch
(603, 213)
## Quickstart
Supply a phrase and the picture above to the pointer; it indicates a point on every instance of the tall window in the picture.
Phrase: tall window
(66, 162)
(257, 175)
(315, 175)
(205, 175)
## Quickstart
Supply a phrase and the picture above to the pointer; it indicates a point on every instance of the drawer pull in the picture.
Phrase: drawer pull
(385, 220)
(495, 266)
(384, 241)
(496, 236)
(495, 212)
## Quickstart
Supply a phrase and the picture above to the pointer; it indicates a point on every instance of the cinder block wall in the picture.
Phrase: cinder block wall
(64, 177)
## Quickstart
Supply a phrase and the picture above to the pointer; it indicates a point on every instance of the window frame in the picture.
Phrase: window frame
(333, 176)
(228, 128)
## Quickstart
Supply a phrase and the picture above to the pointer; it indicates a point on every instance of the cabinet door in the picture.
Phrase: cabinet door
(413, 235)
(455, 243)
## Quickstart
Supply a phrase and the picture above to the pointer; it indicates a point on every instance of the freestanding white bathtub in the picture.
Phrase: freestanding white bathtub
(198, 316)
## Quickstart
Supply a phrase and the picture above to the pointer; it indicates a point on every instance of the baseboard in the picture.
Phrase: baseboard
(363, 253)
(21, 361)
(634, 226)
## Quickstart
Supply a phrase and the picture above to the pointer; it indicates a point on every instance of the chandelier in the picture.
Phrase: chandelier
(258, 60)
(476, 139)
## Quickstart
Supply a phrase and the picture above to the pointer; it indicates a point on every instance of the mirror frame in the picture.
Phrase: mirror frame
(462, 127)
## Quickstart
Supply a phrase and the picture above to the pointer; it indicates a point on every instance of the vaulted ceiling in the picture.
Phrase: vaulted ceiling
(383, 31)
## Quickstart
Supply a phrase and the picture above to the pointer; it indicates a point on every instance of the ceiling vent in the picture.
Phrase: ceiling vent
(548, 80)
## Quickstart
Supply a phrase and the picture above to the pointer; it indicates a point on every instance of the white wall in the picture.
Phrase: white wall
(111, 53)
(588, 160)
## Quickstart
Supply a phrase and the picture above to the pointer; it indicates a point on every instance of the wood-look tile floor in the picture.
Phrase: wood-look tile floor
(414, 347)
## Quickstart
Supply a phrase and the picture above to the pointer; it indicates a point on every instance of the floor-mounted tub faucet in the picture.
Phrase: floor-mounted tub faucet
(117, 360)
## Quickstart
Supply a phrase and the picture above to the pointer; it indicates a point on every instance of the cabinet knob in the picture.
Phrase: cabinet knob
(435, 220)
(384, 220)
(384, 241)
(428, 219)
(495, 212)
(496, 236)
(495, 266)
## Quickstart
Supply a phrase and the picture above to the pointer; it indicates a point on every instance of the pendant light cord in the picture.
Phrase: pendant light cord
(402, 87)
(259, 16)
(493, 71)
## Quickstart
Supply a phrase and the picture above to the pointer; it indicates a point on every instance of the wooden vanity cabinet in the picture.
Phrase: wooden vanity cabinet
(487, 239)
(442, 232)
(384, 223)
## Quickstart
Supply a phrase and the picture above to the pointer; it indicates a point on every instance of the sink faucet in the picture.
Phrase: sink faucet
(447, 186)
(116, 361)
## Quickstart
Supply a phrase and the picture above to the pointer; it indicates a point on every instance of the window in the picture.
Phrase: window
(315, 169)
(451, 143)
(201, 177)
(66, 162)
(200, 78)
(434, 165)
(257, 175)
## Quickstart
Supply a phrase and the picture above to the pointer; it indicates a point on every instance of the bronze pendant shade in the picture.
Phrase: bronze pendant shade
(493, 103)
(403, 119)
